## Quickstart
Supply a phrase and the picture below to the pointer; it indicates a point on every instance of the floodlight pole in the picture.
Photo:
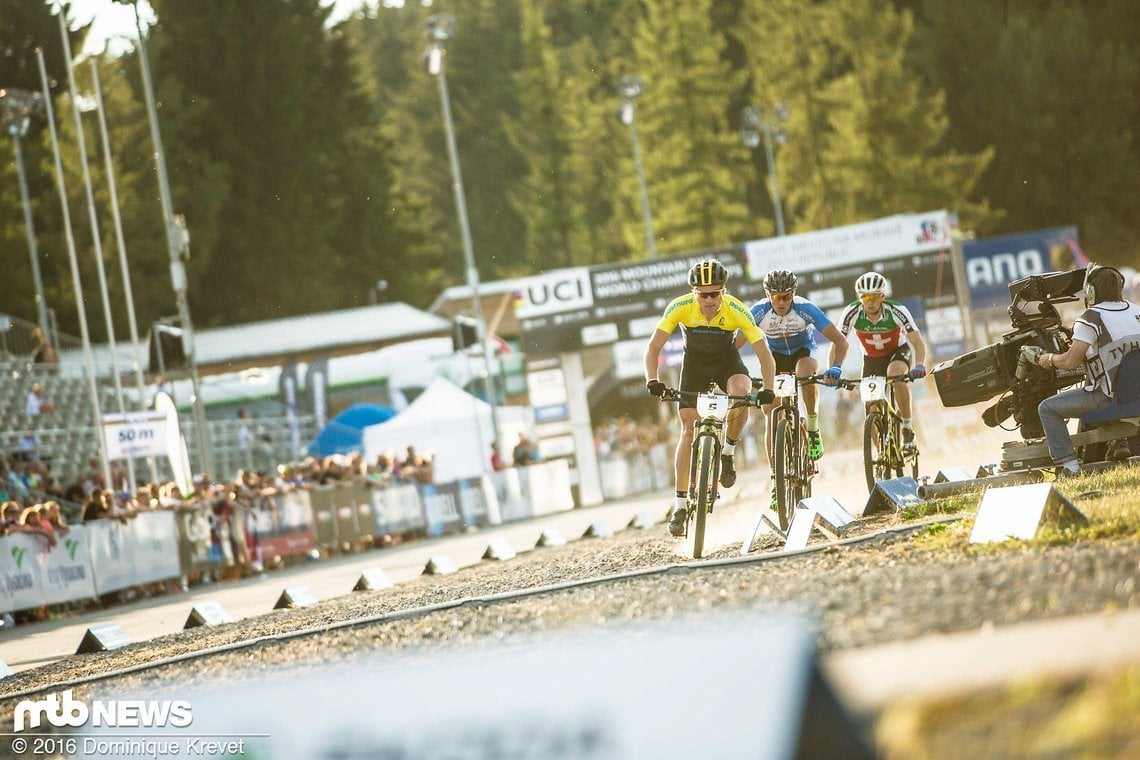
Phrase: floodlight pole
(439, 28)
(631, 88)
(754, 125)
(18, 106)
(76, 281)
(178, 243)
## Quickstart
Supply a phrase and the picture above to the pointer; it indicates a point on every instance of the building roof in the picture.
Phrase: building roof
(279, 341)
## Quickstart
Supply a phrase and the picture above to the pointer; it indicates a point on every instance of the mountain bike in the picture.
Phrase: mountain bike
(883, 450)
(704, 463)
(792, 465)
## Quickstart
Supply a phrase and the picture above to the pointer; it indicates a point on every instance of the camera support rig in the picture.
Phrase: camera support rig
(1007, 369)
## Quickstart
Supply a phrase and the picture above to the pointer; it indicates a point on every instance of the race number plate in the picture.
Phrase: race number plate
(785, 386)
(712, 405)
(873, 389)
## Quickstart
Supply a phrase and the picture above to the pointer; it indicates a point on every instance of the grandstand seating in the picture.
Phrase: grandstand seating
(67, 437)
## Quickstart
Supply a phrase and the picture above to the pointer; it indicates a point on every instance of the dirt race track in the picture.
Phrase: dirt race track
(878, 610)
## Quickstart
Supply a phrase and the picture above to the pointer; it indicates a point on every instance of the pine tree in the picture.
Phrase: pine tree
(693, 163)
(545, 199)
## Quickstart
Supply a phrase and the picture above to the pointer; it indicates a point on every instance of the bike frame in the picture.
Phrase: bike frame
(708, 430)
(787, 411)
(878, 396)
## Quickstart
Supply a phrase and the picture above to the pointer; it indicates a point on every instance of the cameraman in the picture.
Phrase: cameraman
(1103, 335)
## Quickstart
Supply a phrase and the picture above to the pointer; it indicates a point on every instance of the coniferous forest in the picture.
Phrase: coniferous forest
(309, 159)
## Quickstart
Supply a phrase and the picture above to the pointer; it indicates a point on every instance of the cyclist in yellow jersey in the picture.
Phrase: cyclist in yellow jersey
(709, 319)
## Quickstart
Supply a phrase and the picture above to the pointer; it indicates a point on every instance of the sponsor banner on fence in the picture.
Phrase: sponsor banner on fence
(110, 555)
(290, 527)
(441, 508)
(397, 509)
(153, 539)
(513, 504)
(65, 569)
(19, 586)
(473, 502)
(548, 486)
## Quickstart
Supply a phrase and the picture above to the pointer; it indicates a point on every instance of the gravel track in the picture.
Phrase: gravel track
(861, 595)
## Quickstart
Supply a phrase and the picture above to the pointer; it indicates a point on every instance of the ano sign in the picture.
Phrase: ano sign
(135, 434)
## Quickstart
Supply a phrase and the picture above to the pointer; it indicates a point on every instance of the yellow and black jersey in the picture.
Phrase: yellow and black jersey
(710, 338)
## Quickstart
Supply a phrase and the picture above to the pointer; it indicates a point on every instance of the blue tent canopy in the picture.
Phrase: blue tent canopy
(344, 433)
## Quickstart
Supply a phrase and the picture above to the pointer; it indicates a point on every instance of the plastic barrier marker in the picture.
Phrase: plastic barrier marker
(207, 614)
(598, 530)
(1020, 511)
(372, 579)
(295, 596)
(103, 638)
(499, 549)
(440, 564)
(550, 537)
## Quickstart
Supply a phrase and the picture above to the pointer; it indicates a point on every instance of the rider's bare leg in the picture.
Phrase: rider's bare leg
(902, 390)
(738, 385)
(806, 367)
(683, 456)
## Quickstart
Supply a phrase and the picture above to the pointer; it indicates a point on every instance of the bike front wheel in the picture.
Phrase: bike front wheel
(876, 457)
(706, 489)
(785, 472)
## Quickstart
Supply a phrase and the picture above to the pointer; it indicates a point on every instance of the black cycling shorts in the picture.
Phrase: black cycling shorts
(697, 372)
(786, 363)
(876, 366)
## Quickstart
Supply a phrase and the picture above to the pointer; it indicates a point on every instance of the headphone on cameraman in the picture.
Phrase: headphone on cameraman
(1090, 289)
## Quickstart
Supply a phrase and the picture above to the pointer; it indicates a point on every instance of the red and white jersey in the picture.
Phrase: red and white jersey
(882, 336)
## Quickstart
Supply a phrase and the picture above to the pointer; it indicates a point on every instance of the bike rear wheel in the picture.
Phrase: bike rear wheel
(706, 489)
(876, 462)
(785, 472)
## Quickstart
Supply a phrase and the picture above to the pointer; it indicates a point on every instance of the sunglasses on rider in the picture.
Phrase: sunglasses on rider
(781, 297)
(709, 293)
(870, 296)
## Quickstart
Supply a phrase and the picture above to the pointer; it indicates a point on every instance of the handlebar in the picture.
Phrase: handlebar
(821, 379)
(753, 399)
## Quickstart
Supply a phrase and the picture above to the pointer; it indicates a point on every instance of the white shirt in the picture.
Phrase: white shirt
(34, 405)
(1112, 330)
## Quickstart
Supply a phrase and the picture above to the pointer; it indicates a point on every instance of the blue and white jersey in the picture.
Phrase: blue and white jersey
(793, 331)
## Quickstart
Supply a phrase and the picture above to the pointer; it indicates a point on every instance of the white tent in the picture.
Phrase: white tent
(451, 423)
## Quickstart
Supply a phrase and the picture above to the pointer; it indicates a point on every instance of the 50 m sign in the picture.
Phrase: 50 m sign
(135, 434)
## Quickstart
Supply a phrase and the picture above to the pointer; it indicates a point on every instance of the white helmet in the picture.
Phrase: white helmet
(870, 282)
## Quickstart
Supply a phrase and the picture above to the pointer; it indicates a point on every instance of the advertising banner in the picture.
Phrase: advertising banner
(290, 529)
(441, 508)
(19, 582)
(397, 509)
(513, 503)
(473, 502)
(110, 555)
(849, 245)
(605, 304)
(65, 569)
(993, 263)
(316, 387)
(153, 538)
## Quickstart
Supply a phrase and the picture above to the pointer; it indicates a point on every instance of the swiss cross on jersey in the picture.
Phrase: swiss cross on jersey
(880, 337)
(880, 343)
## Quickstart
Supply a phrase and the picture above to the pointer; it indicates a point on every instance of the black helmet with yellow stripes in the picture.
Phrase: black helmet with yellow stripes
(708, 272)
